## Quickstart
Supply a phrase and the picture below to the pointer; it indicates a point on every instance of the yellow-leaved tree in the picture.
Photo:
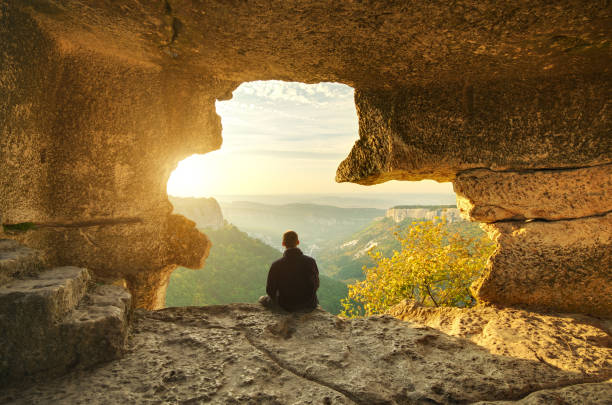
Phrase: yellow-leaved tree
(434, 267)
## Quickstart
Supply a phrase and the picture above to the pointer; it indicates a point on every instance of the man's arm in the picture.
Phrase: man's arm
(315, 275)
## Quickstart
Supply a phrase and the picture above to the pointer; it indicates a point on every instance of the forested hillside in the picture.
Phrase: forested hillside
(236, 271)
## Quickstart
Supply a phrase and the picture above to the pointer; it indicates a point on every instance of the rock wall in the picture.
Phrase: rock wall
(205, 212)
(398, 214)
(99, 101)
(553, 230)
(92, 135)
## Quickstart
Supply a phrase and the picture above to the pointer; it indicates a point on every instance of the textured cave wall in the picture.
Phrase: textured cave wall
(101, 100)
(553, 230)
(91, 138)
(438, 131)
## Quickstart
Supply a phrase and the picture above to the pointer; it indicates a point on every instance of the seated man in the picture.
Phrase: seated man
(293, 279)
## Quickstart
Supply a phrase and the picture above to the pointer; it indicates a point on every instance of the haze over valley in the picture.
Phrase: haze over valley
(246, 239)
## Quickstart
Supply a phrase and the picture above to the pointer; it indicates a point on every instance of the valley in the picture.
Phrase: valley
(250, 240)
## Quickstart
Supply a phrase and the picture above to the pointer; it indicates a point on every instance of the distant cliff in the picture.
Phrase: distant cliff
(205, 212)
(399, 213)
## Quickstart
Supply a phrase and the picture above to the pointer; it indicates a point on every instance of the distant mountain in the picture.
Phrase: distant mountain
(236, 271)
(205, 212)
(316, 225)
(366, 199)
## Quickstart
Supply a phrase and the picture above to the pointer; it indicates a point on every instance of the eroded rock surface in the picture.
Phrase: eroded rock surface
(488, 196)
(553, 230)
(438, 131)
(565, 265)
(242, 353)
(572, 342)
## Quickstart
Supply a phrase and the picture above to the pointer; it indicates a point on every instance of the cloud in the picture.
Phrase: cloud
(295, 118)
(274, 91)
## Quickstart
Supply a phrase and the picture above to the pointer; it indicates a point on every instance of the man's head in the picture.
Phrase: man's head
(290, 239)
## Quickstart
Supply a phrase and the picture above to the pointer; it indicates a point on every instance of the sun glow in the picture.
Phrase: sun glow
(195, 176)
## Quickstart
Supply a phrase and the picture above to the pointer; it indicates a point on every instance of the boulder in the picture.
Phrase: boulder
(55, 321)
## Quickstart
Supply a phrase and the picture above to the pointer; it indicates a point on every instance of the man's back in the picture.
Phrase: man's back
(295, 277)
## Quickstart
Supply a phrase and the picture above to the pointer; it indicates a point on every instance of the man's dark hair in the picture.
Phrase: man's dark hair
(290, 239)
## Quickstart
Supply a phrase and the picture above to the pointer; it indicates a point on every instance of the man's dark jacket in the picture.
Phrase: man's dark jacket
(295, 277)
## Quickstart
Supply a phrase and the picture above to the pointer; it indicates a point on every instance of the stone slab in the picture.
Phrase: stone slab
(488, 196)
(38, 302)
(572, 342)
(17, 260)
(95, 331)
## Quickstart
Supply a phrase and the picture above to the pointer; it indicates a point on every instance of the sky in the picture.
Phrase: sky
(282, 138)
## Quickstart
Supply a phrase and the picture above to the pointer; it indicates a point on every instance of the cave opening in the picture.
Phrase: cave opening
(282, 143)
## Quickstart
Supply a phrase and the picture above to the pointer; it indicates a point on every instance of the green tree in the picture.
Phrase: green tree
(434, 267)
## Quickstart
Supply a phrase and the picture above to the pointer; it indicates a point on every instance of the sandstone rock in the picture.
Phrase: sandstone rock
(561, 265)
(420, 132)
(100, 102)
(488, 196)
(365, 43)
(45, 299)
(242, 353)
(89, 139)
(143, 253)
(580, 394)
(571, 342)
(51, 323)
(17, 260)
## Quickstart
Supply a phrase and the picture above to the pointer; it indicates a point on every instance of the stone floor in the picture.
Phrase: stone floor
(242, 353)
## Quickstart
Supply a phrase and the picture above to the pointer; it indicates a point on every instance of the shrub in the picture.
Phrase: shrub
(433, 267)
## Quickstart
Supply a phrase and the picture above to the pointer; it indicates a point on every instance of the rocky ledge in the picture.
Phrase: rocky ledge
(242, 353)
